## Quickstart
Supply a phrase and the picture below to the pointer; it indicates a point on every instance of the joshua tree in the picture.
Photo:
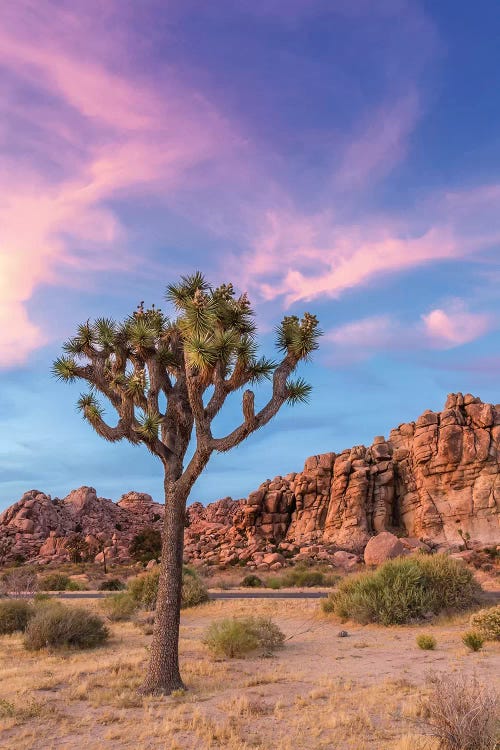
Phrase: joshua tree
(77, 547)
(168, 380)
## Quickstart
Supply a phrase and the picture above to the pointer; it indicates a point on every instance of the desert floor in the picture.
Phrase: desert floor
(321, 691)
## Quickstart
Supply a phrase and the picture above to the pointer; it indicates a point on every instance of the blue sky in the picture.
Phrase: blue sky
(337, 157)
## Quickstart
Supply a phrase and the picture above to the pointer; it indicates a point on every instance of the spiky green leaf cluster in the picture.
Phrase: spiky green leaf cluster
(149, 426)
(299, 337)
(90, 407)
(298, 391)
(65, 368)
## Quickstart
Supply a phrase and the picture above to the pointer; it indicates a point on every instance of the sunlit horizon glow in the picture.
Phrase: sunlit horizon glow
(337, 157)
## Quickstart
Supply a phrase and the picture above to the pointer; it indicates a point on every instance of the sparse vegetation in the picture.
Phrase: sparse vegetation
(462, 713)
(404, 590)
(473, 640)
(14, 615)
(54, 582)
(57, 626)
(111, 584)
(236, 637)
(487, 623)
(146, 546)
(426, 642)
(302, 576)
(251, 581)
(119, 607)
(144, 588)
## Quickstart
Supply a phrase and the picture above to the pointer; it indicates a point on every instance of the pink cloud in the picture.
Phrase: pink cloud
(447, 327)
(455, 326)
(104, 134)
(380, 145)
(312, 256)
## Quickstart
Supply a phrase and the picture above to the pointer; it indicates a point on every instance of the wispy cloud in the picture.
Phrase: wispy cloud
(78, 134)
(449, 326)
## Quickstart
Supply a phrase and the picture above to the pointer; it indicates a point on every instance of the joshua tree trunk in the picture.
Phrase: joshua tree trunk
(163, 674)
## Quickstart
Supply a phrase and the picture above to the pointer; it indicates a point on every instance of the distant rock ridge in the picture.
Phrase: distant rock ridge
(428, 480)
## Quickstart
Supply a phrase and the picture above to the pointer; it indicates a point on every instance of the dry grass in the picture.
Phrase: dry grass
(320, 692)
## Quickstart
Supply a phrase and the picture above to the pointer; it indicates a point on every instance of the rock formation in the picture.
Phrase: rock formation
(429, 482)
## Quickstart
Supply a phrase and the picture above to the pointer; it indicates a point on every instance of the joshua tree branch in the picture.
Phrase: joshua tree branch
(272, 407)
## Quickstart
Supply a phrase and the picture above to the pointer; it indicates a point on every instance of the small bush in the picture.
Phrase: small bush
(426, 642)
(274, 583)
(405, 590)
(112, 584)
(236, 637)
(487, 623)
(251, 581)
(119, 607)
(473, 640)
(14, 615)
(75, 586)
(54, 582)
(194, 591)
(58, 626)
(144, 588)
(461, 713)
(146, 546)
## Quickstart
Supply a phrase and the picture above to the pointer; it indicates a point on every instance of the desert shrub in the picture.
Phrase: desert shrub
(426, 642)
(41, 596)
(58, 626)
(236, 637)
(461, 713)
(112, 584)
(473, 640)
(75, 586)
(119, 607)
(54, 582)
(302, 576)
(404, 590)
(487, 623)
(146, 546)
(274, 583)
(251, 581)
(144, 588)
(14, 615)
(194, 591)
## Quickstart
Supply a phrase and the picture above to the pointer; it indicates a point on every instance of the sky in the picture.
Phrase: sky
(335, 156)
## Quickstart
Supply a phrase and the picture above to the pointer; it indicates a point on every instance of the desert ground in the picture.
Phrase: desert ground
(360, 692)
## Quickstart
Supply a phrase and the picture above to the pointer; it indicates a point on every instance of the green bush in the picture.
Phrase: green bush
(54, 582)
(473, 640)
(146, 546)
(14, 615)
(144, 588)
(119, 607)
(405, 590)
(236, 637)
(251, 581)
(111, 584)
(302, 576)
(75, 586)
(194, 591)
(58, 626)
(487, 623)
(426, 642)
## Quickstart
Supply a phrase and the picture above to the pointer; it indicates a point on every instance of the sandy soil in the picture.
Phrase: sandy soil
(321, 691)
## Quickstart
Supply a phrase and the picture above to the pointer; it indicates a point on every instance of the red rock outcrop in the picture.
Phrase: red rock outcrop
(428, 480)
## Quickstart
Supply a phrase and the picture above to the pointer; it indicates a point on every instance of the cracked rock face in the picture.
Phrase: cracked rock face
(428, 480)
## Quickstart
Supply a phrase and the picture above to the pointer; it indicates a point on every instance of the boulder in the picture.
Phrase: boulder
(382, 547)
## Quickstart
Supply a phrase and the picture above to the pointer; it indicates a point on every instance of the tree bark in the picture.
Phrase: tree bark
(163, 675)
